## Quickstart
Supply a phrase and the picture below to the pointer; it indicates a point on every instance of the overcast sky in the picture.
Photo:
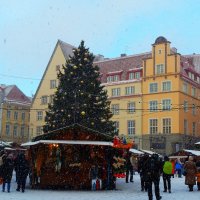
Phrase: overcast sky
(29, 30)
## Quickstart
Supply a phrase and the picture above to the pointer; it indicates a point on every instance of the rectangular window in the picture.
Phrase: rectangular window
(15, 130)
(160, 69)
(185, 88)
(115, 92)
(193, 128)
(129, 90)
(23, 116)
(153, 87)
(22, 130)
(193, 92)
(166, 86)
(185, 126)
(193, 109)
(166, 104)
(153, 126)
(44, 100)
(131, 76)
(115, 109)
(137, 75)
(185, 106)
(131, 127)
(52, 84)
(166, 126)
(7, 129)
(116, 125)
(8, 114)
(113, 78)
(131, 107)
(15, 115)
(39, 130)
(153, 106)
(39, 116)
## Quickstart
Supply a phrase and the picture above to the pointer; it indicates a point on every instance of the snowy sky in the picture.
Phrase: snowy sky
(29, 30)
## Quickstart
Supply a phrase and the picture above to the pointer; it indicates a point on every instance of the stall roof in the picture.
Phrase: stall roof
(194, 152)
(149, 152)
(197, 143)
(136, 151)
(67, 142)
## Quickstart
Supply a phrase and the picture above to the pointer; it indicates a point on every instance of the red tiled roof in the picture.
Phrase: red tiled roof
(122, 63)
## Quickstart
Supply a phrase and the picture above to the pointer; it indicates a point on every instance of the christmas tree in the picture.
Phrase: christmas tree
(80, 98)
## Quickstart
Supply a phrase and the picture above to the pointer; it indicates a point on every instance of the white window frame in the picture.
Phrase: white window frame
(160, 69)
(39, 116)
(166, 86)
(153, 87)
(15, 115)
(193, 91)
(8, 114)
(23, 116)
(131, 127)
(153, 126)
(166, 123)
(52, 84)
(15, 130)
(22, 133)
(185, 87)
(166, 104)
(130, 90)
(115, 92)
(153, 106)
(194, 109)
(131, 75)
(115, 109)
(137, 75)
(131, 107)
(185, 106)
(116, 125)
(39, 130)
(44, 99)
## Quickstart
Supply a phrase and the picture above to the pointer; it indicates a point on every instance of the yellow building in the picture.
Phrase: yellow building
(47, 87)
(14, 114)
(171, 91)
(154, 96)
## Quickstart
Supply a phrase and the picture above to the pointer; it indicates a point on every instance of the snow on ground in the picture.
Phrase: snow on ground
(125, 191)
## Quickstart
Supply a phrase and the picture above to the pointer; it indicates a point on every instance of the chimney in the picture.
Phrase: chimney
(123, 55)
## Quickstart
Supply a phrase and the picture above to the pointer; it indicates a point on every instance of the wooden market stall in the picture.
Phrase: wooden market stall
(72, 158)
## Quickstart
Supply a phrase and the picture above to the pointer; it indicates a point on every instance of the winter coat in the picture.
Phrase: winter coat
(22, 167)
(7, 170)
(178, 166)
(191, 170)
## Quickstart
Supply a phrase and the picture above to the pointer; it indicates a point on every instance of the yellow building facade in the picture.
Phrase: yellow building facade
(154, 96)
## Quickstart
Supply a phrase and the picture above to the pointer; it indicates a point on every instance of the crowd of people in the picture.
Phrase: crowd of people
(152, 167)
(8, 163)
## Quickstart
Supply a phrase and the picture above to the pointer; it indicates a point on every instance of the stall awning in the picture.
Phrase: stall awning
(197, 143)
(83, 142)
(135, 151)
(150, 152)
(194, 152)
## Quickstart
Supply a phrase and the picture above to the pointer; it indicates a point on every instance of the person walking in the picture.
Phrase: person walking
(22, 169)
(178, 168)
(167, 172)
(153, 168)
(129, 167)
(7, 171)
(141, 170)
(191, 170)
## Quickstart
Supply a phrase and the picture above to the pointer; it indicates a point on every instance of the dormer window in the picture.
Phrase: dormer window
(134, 75)
(114, 76)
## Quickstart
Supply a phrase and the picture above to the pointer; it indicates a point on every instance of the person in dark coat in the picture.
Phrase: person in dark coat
(141, 170)
(153, 171)
(191, 170)
(7, 171)
(22, 169)
(129, 168)
(166, 178)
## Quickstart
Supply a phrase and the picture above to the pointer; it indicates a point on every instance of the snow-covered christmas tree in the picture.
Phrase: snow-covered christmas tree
(80, 98)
